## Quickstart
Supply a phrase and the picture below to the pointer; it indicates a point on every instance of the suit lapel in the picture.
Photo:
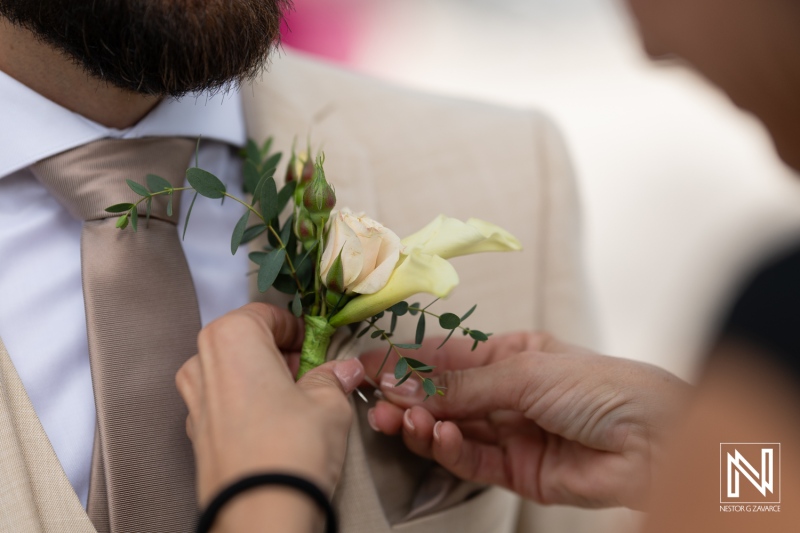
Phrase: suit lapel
(35, 494)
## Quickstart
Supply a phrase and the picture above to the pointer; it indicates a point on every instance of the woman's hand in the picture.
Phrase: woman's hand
(246, 413)
(555, 423)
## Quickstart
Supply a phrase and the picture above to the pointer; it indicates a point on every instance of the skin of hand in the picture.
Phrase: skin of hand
(247, 415)
(553, 422)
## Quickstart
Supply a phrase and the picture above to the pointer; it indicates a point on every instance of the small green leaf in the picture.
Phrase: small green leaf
(428, 387)
(122, 222)
(394, 323)
(297, 305)
(413, 363)
(363, 331)
(268, 200)
(414, 309)
(420, 329)
(266, 146)
(252, 232)
(258, 257)
(205, 183)
(169, 206)
(468, 313)
(251, 151)
(474, 345)
(478, 335)
(440, 392)
(157, 183)
(188, 214)
(377, 333)
(446, 338)
(238, 232)
(403, 379)
(285, 284)
(400, 368)
(119, 208)
(271, 164)
(286, 231)
(138, 188)
(251, 177)
(270, 268)
(449, 321)
(135, 219)
(286, 193)
(400, 308)
(409, 346)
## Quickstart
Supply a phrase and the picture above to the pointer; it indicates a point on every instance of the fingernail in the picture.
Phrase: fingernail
(408, 388)
(350, 373)
(371, 419)
(436, 427)
(407, 420)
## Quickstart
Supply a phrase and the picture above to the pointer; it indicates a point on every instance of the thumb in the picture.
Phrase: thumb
(343, 375)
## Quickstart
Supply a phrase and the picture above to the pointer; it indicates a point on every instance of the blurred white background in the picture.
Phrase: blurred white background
(678, 186)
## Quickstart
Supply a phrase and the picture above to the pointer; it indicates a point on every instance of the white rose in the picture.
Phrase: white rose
(369, 251)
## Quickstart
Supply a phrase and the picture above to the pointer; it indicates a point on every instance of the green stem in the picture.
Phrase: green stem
(315, 344)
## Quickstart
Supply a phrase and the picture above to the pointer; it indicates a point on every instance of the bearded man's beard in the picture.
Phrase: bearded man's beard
(157, 47)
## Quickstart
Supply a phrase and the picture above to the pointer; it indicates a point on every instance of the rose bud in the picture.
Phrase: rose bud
(307, 173)
(319, 197)
(305, 229)
(291, 171)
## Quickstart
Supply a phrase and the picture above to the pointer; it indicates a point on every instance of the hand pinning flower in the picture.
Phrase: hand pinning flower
(340, 267)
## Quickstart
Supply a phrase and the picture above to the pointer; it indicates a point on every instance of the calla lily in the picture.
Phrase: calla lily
(415, 273)
(423, 265)
(449, 237)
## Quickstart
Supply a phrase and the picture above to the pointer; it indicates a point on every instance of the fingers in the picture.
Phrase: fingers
(286, 329)
(457, 353)
(342, 375)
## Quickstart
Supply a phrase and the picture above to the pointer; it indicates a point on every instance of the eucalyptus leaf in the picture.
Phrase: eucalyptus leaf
(252, 152)
(413, 309)
(169, 206)
(252, 232)
(285, 194)
(478, 335)
(270, 268)
(377, 333)
(205, 183)
(446, 338)
(413, 363)
(400, 368)
(469, 313)
(156, 183)
(238, 232)
(286, 231)
(428, 386)
(394, 323)
(420, 335)
(257, 257)
(364, 331)
(285, 284)
(148, 209)
(251, 176)
(449, 321)
(297, 305)
(188, 214)
(271, 164)
(135, 219)
(268, 199)
(408, 346)
(399, 309)
(138, 188)
(119, 208)
(403, 379)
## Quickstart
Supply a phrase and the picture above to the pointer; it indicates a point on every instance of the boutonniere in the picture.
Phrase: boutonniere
(340, 267)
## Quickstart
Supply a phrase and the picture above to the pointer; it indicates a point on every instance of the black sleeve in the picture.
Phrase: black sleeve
(767, 311)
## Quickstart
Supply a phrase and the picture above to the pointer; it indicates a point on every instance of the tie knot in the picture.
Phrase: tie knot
(87, 179)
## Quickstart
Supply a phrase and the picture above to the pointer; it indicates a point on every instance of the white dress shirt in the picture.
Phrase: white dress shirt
(42, 320)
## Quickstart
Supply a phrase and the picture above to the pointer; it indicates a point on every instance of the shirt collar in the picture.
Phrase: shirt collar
(35, 128)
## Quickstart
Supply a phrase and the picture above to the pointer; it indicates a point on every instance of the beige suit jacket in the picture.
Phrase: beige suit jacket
(403, 158)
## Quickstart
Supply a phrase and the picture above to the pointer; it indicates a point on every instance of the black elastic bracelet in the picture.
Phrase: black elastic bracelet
(288, 480)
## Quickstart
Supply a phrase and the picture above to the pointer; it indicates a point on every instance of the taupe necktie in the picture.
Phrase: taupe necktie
(142, 321)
